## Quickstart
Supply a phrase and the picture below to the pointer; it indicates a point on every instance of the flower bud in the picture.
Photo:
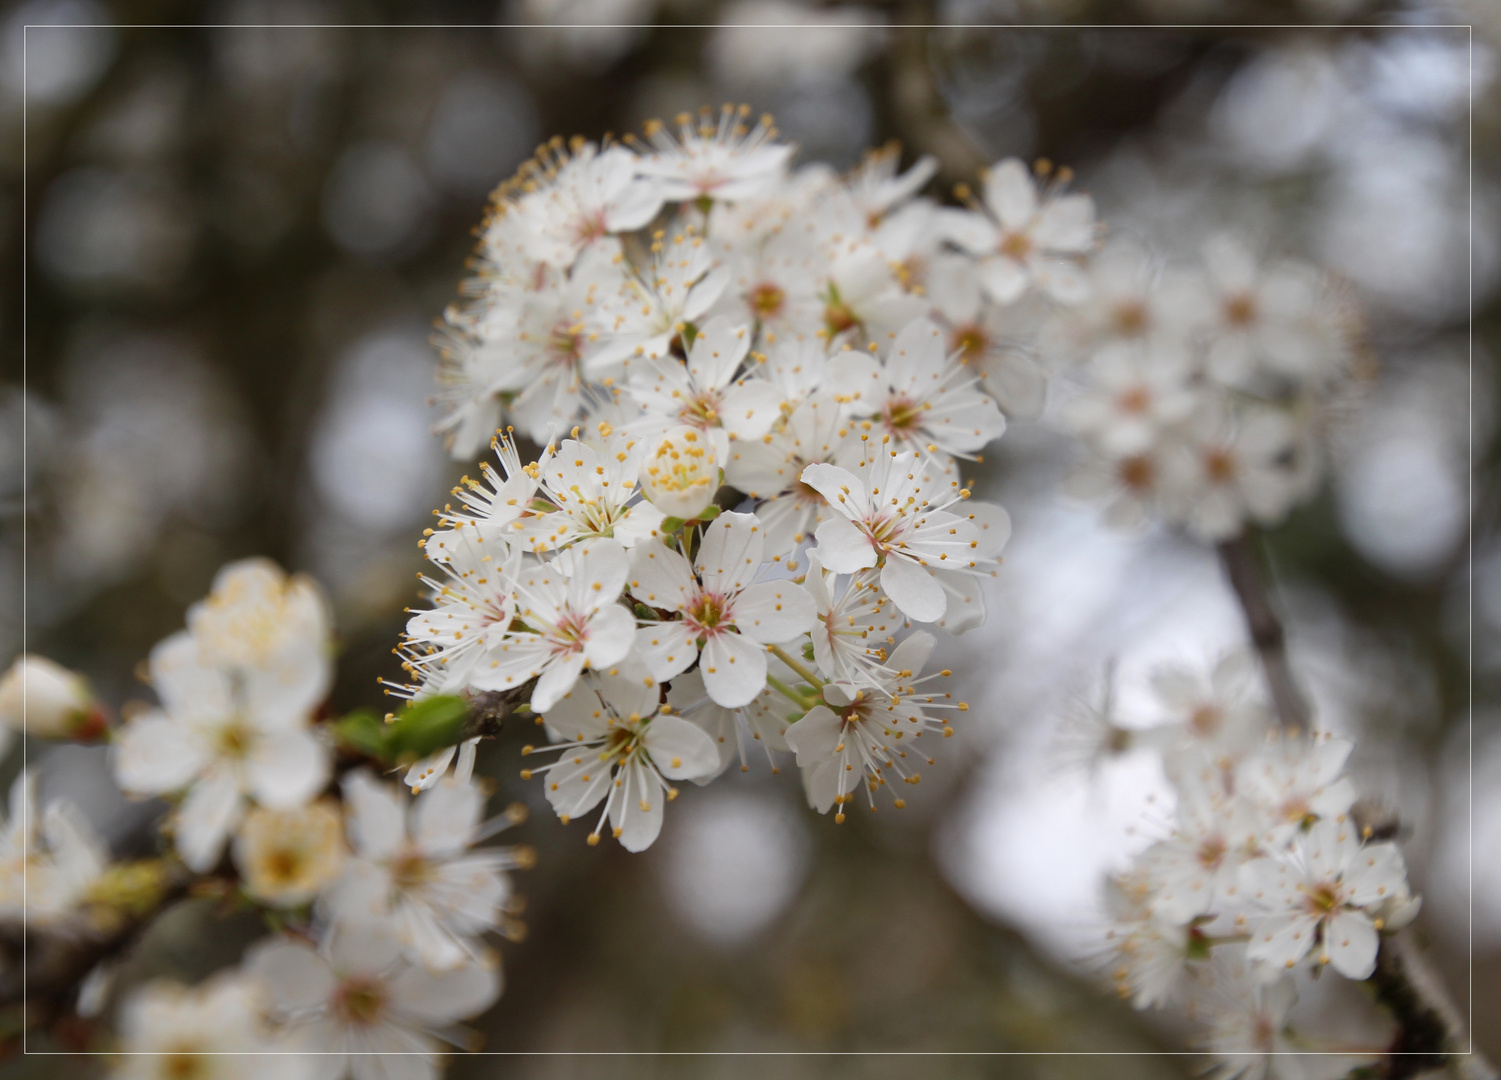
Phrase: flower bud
(681, 474)
(49, 701)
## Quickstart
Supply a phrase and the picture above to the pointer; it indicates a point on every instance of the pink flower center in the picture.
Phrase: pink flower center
(708, 613)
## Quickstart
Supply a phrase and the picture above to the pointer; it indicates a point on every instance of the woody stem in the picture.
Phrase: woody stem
(1242, 559)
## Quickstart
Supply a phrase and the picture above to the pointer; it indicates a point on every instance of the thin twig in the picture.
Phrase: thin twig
(922, 117)
(1242, 560)
(1431, 1032)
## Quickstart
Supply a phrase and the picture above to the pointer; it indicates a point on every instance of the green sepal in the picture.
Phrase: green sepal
(420, 729)
(363, 732)
(425, 727)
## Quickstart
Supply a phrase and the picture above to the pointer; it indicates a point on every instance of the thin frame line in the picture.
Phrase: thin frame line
(763, 26)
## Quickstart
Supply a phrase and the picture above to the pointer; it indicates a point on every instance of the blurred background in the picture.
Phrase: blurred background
(234, 238)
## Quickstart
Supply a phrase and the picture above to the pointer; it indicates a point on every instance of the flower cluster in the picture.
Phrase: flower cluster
(651, 647)
(387, 900)
(1202, 393)
(697, 278)
(1264, 875)
(770, 376)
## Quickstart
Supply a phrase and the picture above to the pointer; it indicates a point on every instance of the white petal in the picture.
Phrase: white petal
(666, 648)
(189, 687)
(1350, 940)
(731, 552)
(1377, 873)
(659, 576)
(774, 611)
(287, 768)
(913, 653)
(1010, 193)
(440, 999)
(376, 816)
(155, 754)
(1004, 279)
(734, 669)
(1066, 224)
(445, 819)
(637, 811)
(206, 818)
(296, 976)
(1280, 941)
(556, 680)
(840, 488)
(856, 381)
(842, 547)
(679, 749)
(611, 631)
(815, 736)
(717, 352)
(749, 410)
(912, 589)
(916, 354)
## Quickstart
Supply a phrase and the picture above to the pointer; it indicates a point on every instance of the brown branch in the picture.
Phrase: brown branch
(1242, 560)
(918, 110)
(43, 968)
(1431, 1033)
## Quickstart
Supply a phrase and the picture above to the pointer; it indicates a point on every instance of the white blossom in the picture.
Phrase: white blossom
(570, 621)
(50, 861)
(890, 516)
(732, 730)
(863, 736)
(770, 470)
(589, 494)
(653, 304)
(721, 161)
(213, 1031)
(1296, 780)
(360, 1008)
(414, 867)
(717, 601)
(1317, 900)
(619, 747)
(855, 624)
(704, 393)
(922, 399)
(287, 857)
(222, 737)
(681, 473)
(1024, 238)
(47, 701)
(569, 200)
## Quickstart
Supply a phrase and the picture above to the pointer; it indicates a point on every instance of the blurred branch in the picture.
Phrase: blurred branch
(1430, 1030)
(920, 114)
(1242, 559)
(42, 970)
